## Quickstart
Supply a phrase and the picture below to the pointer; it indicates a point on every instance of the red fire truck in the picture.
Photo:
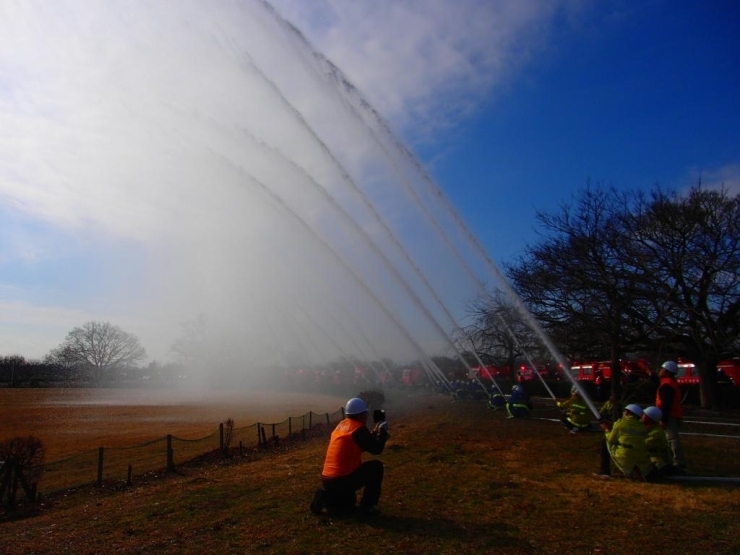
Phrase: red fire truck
(526, 372)
(489, 371)
(688, 373)
(598, 372)
(728, 371)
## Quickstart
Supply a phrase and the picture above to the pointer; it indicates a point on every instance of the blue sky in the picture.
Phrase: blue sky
(127, 129)
(649, 98)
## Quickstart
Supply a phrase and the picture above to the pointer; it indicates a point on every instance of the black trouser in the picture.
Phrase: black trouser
(341, 491)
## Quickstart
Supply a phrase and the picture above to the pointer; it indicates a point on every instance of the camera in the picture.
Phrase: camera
(378, 415)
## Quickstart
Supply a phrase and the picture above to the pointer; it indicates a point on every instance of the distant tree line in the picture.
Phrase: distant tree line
(619, 273)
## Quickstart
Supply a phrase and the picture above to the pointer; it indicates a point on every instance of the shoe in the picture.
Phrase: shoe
(602, 476)
(317, 505)
(369, 510)
(573, 430)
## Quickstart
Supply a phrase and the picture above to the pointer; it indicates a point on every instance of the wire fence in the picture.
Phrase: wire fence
(119, 465)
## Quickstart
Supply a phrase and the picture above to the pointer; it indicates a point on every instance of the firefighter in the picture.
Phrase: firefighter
(519, 405)
(625, 443)
(344, 472)
(656, 444)
(576, 415)
(497, 399)
(668, 400)
(606, 421)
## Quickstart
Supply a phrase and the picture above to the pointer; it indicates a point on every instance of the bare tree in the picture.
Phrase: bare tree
(689, 248)
(581, 283)
(500, 333)
(101, 347)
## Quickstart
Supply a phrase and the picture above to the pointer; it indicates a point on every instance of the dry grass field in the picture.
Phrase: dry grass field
(460, 479)
(70, 421)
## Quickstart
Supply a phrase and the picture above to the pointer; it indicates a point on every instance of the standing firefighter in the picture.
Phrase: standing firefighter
(576, 415)
(668, 400)
(344, 472)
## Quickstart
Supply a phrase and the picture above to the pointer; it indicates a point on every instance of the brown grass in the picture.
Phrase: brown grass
(459, 479)
(72, 421)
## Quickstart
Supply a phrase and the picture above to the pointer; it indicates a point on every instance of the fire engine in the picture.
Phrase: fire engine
(583, 371)
(526, 372)
(728, 371)
(688, 373)
(598, 372)
(489, 371)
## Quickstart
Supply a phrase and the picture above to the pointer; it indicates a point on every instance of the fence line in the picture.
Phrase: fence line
(116, 465)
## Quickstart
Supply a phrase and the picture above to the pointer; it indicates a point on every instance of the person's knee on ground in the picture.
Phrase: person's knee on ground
(372, 472)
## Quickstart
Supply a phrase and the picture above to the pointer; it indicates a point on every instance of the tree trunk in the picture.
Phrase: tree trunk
(616, 393)
(708, 397)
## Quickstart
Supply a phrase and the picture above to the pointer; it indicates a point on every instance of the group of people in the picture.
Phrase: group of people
(517, 405)
(643, 443)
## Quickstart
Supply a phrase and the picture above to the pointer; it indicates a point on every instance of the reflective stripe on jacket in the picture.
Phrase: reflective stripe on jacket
(576, 411)
(343, 456)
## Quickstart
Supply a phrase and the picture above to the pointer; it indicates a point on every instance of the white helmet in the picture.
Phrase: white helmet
(355, 406)
(654, 414)
(634, 409)
(670, 366)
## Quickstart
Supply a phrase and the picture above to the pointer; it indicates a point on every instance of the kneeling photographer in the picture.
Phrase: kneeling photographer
(344, 473)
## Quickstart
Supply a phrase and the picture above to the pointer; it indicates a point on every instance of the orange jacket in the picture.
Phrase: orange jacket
(343, 456)
(668, 398)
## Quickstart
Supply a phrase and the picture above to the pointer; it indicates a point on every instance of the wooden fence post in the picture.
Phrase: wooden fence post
(259, 434)
(99, 481)
(290, 426)
(221, 438)
(170, 457)
(310, 414)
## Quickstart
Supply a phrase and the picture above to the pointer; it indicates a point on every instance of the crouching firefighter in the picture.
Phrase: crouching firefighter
(576, 415)
(344, 473)
(520, 404)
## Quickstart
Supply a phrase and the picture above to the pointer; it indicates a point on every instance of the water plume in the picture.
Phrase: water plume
(206, 160)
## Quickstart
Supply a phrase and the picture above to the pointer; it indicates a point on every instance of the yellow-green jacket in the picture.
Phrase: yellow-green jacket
(576, 411)
(656, 444)
(626, 443)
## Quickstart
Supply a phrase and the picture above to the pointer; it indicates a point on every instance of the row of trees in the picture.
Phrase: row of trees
(620, 273)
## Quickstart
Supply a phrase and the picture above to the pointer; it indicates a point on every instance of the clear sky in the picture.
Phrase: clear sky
(125, 128)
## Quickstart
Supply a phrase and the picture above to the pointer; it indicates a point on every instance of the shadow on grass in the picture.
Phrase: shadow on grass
(427, 530)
